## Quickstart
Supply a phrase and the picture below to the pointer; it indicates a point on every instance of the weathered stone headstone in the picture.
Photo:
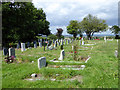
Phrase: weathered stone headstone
(12, 52)
(5, 51)
(41, 62)
(62, 54)
(22, 47)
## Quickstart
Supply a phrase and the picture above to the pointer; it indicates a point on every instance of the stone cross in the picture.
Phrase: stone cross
(42, 62)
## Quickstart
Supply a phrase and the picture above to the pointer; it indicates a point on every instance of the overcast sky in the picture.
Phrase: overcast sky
(60, 12)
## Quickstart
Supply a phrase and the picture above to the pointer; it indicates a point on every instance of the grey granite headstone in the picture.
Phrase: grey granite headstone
(41, 62)
(5, 51)
(12, 52)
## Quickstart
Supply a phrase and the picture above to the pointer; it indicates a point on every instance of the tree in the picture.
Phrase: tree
(22, 21)
(52, 37)
(59, 32)
(91, 24)
(80, 30)
(115, 29)
(73, 27)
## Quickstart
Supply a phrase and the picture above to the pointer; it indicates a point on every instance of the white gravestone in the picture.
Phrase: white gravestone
(22, 47)
(62, 54)
(35, 45)
(105, 38)
(41, 62)
(72, 47)
(83, 43)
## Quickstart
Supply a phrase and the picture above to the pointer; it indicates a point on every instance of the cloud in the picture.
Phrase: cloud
(60, 12)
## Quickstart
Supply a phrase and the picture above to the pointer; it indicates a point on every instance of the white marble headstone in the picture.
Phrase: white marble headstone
(62, 54)
(22, 47)
(83, 43)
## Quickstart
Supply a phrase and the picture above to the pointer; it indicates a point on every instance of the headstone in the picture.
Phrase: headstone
(83, 43)
(62, 54)
(41, 62)
(22, 47)
(116, 53)
(35, 44)
(105, 38)
(28, 44)
(72, 47)
(80, 42)
(18, 46)
(12, 52)
(65, 41)
(5, 51)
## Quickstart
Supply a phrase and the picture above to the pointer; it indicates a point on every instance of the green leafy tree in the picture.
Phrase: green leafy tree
(115, 29)
(59, 32)
(91, 24)
(22, 21)
(73, 27)
(52, 37)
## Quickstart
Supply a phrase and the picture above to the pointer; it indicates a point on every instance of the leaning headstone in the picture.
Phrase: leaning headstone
(41, 62)
(22, 47)
(12, 52)
(62, 54)
(5, 51)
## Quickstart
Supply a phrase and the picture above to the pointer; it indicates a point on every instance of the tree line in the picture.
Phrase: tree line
(21, 21)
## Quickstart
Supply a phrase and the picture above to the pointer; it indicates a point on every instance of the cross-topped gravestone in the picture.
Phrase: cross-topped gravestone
(41, 62)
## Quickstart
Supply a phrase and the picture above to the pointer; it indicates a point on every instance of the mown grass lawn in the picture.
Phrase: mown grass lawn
(101, 70)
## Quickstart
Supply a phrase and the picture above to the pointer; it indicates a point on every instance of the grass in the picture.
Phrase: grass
(101, 70)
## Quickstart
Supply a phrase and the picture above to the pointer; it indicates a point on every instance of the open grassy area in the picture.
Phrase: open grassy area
(101, 70)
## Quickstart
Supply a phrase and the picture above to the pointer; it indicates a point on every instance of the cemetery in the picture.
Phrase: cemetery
(72, 63)
(59, 46)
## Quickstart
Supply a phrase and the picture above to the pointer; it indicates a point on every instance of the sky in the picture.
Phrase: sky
(60, 12)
